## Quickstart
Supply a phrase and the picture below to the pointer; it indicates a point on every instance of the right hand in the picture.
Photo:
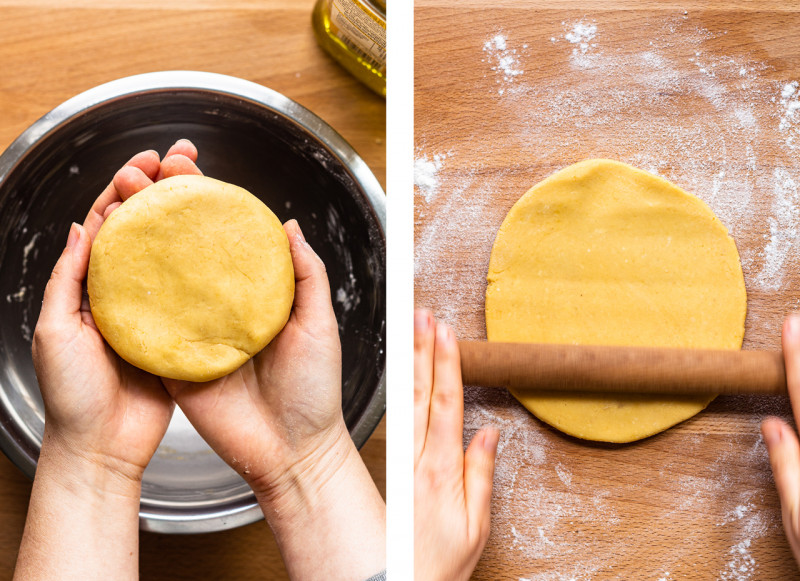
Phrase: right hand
(782, 442)
(278, 418)
(452, 489)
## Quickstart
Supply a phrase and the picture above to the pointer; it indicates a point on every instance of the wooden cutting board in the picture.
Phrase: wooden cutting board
(508, 92)
(51, 50)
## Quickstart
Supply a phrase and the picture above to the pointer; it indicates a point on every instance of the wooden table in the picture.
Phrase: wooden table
(508, 92)
(51, 50)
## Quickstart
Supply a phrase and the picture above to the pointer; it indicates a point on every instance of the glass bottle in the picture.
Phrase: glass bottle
(354, 33)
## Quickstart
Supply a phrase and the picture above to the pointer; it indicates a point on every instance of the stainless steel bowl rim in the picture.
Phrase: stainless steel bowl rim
(151, 518)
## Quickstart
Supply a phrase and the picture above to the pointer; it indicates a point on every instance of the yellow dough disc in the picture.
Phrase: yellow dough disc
(602, 253)
(190, 278)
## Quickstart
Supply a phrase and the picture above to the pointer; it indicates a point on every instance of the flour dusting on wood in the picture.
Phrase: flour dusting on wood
(736, 151)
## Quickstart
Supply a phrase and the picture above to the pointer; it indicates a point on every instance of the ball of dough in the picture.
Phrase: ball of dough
(602, 253)
(190, 277)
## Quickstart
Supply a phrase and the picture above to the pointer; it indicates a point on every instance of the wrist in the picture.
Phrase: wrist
(82, 518)
(301, 483)
(327, 515)
(87, 472)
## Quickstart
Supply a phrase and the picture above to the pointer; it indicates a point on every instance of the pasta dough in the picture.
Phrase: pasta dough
(190, 278)
(603, 253)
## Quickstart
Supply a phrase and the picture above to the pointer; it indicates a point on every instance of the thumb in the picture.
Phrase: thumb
(784, 457)
(312, 293)
(478, 478)
(64, 291)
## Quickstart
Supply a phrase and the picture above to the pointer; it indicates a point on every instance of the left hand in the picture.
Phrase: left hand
(452, 488)
(98, 408)
(104, 418)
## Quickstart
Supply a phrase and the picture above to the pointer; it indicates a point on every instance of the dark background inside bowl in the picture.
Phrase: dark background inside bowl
(239, 142)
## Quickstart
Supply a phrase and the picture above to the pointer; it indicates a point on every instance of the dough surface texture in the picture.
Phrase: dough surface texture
(190, 277)
(602, 253)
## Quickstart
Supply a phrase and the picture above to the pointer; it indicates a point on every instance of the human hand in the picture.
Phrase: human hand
(281, 411)
(278, 421)
(98, 408)
(782, 442)
(452, 489)
(104, 418)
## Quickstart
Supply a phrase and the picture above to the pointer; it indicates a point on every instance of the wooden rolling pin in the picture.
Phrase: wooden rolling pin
(541, 367)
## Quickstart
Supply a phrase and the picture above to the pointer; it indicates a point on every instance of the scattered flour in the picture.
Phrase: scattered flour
(715, 154)
(426, 172)
(581, 34)
(344, 298)
(505, 61)
(349, 292)
(783, 230)
(742, 564)
(28, 250)
(789, 104)
(24, 295)
(564, 475)
(631, 99)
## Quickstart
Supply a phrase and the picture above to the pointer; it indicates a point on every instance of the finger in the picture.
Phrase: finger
(784, 457)
(445, 439)
(479, 461)
(146, 161)
(110, 209)
(177, 165)
(130, 180)
(64, 292)
(423, 377)
(183, 147)
(791, 355)
(312, 292)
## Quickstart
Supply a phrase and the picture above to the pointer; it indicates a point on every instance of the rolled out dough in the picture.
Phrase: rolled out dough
(602, 253)
(190, 278)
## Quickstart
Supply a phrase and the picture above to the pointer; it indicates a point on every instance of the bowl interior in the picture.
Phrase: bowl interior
(240, 141)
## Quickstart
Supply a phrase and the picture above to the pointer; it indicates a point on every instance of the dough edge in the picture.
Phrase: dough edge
(199, 360)
(562, 411)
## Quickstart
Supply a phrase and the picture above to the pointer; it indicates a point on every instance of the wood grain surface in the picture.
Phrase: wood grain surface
(51, 50)
(508, 92)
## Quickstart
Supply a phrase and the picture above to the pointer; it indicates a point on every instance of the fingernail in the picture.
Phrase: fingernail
(772, 435)
(443, 334)
(422, 321)
(74, 235)
(299, 233)
(793, 326)
(491, 439)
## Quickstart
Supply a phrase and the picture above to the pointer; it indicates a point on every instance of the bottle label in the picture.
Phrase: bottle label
(358, 27)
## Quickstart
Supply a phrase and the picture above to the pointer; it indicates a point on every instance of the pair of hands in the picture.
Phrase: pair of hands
(453, 489)
(277, 420)
(271, 418)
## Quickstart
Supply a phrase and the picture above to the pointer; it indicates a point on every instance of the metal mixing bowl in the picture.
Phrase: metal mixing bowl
(247, 135)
